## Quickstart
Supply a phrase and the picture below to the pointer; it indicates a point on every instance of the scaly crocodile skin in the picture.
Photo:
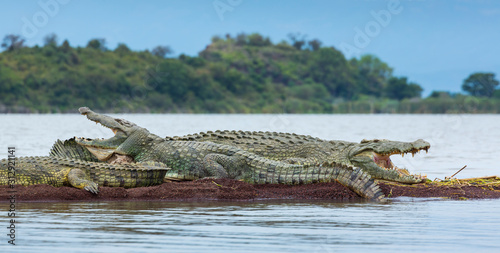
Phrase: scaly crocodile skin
(60, 171)
(194, 160)
(307, 150)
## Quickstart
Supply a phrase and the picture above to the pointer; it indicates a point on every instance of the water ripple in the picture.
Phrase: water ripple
(272, 226)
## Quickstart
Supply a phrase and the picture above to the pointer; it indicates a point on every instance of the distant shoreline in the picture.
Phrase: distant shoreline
(460, 105)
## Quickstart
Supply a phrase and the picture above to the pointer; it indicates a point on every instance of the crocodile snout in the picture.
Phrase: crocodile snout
(84, 110)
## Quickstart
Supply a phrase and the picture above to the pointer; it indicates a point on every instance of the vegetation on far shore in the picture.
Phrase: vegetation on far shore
(241, 74)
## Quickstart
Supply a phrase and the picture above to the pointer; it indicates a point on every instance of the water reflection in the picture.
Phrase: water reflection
(261, 226)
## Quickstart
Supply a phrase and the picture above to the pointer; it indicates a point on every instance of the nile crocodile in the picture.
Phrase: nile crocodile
(195, 160)
(74, 167)
(372, 156)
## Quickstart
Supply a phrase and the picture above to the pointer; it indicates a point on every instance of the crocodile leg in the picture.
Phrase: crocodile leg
(212, 163)
(78, 179)
(224, 166)
(361, 183)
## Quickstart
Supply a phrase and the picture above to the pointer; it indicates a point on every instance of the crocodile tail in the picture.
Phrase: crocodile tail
(360, 182)
(353, 178)
(71, 150)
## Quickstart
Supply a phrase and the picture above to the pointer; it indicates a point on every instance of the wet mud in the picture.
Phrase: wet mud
(227, 189)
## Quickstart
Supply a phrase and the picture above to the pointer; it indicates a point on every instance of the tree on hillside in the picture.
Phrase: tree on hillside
(373, 74)
(216, 38)
(253, 39)
(99, 44)
(122, 49)
(258, 40)
(329, 67)
(399, 88)
(480, 84)
(298, 40)
(314, 44)
(161, 51)
(65, 47)
(374, 66)
(12, 42)
(241, 39)
(50, 39)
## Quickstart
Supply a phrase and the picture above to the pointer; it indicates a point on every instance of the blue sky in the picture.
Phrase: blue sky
(436, 44)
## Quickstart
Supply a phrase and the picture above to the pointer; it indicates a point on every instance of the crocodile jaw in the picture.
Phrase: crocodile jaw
(384, 161)
(103, 149)
(100, 153)
(374, 156)
(121, 129)
(369, 159)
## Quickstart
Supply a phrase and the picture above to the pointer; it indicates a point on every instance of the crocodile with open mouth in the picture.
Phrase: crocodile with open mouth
(190, 160)
(372, 156)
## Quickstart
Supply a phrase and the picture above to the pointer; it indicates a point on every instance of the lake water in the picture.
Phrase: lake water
(405, 224)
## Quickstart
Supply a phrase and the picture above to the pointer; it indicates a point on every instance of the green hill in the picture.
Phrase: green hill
(242, 74)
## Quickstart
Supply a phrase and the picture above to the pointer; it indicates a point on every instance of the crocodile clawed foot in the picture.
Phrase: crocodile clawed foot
(93, 188)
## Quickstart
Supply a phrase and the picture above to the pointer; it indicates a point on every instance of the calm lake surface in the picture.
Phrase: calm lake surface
(405, 224)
